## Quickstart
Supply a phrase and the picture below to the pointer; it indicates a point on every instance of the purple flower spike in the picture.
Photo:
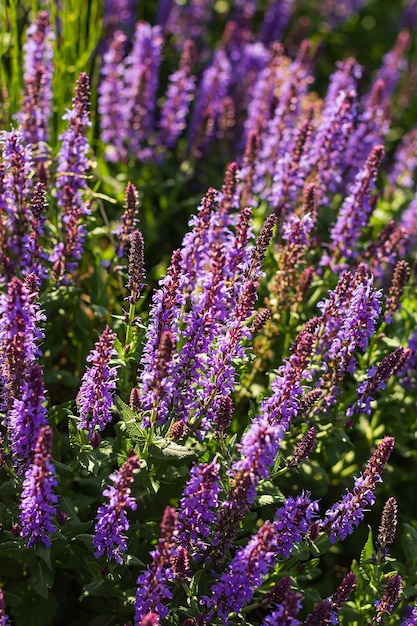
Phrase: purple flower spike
(95, 397)
(111, 520)
(388, 600)
(354, 213)
(288, 603)
(19, 338)
(36, 110)
(38, 502)
(341, 519)
(273, 541)
(153, 584)
(179, 95)
(199, 505)
(26, 417)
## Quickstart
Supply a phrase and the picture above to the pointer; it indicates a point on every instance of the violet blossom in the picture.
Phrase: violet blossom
(111, 520)
(274, 541)
(153, 583)
(38, 501)
(95, 396)
(341, 519)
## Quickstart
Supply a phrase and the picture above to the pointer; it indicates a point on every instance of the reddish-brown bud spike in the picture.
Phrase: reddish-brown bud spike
(304, 447)
(260, 320)
(388, 525)
(178, 430)
(134, 400)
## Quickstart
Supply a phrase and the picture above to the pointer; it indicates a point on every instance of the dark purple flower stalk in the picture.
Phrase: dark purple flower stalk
(327, 611)
(112, 113)
(209, 104)
(71, 180)
(129, 222)
(17, 171)
(72, 157)
(399, 279)
(179, 96)
(388, 526)
(288, 604)
(38, 501)
(37, 208)
(4, 618)
(389, 599)
(153, 583)
(141, 83)
(349, 319)
(19, 338)
(198, 508)
(95, 397)
(111, 520)
(304, 447)
(341, 519)
(26, 417)
(36, 109)
(354, 214)
(274, 541)
(377, 376)
(163, 317)
(390, 243)
(136, 270)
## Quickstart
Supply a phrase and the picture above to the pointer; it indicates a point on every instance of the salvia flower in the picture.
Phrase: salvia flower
(304, 448)
(20, 337)
(377, 376)
(111, 521)
(399, 278)
(129, 221)
(153, 583)
(288, 604)
(198, 508)
(17, 171)
(341, 519)
(326, 612)
(179, 96)
(388, 600)
(388, 526)
(273, 541)
(354, 213)
(26, 417)
(38, 501)
(95, 396)
(136, 271)
(36, 108)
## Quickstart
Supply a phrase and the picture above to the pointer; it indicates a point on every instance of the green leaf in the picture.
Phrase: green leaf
(130, 419)
(171, 451)
(366, 567)
(43, 580)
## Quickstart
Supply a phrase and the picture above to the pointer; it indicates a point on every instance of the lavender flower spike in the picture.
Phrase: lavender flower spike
(38, 501)
(36, 107)
(252, 562)
(111, 520)
(341, 519)
(152, 584)
(95, 397)
(389, 599)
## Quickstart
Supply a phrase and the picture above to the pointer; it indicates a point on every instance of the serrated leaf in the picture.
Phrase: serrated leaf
(96, 587)
(130, 419)
(365, 566)
(171, 451)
